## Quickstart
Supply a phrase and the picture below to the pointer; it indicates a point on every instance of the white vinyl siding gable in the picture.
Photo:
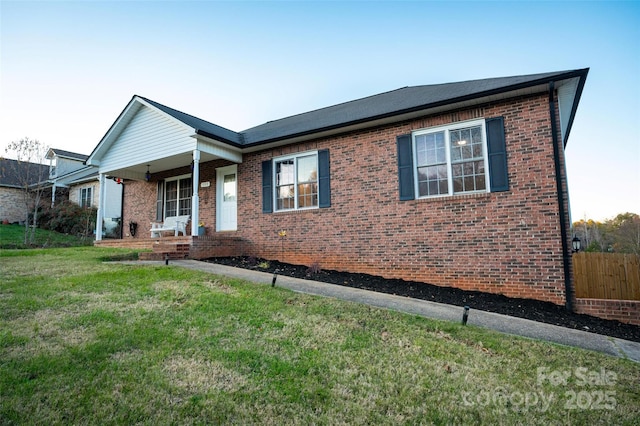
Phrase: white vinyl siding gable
(150, 135)
(62, 166)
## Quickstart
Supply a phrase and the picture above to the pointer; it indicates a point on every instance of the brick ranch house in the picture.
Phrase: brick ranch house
(460, 184)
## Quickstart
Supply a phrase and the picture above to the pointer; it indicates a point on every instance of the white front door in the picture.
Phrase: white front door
(227, 198)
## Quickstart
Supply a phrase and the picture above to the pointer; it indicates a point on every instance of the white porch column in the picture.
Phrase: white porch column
(195, 200)
(53, 195)
(101, 197)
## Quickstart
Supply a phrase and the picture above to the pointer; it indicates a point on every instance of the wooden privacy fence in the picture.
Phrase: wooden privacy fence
(606, 276)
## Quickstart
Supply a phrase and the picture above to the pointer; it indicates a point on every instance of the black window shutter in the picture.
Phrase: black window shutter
(324, 179)
(160, 201)
(498, 176)
(405, 167)
(267, 193)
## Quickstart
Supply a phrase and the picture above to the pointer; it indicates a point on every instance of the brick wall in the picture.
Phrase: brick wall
(224, 244)
(139, 206)
(507, 243)
(12, 203)
(12, 206)
(627, 311)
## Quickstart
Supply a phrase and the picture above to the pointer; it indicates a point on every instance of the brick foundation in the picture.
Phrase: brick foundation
(627, 311)
(219, 245)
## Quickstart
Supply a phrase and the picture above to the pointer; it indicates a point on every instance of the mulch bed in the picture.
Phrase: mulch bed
(523, 308)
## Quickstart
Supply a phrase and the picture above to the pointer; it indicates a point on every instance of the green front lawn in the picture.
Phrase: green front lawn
(88, 342)
(12, 237)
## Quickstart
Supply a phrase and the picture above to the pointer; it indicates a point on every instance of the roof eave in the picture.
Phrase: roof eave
(218, 138)
(581, 82)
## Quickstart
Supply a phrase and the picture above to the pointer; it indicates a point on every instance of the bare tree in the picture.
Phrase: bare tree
(32, 176)
(620, 234)
(627, 233)
(592, 234)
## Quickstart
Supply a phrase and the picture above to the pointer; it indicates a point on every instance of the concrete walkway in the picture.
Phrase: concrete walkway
(502, 323)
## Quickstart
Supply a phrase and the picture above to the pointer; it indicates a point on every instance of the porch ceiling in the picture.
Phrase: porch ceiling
(138, 171)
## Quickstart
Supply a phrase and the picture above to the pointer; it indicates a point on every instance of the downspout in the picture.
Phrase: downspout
(122, 212)
(101, 201)
(566, 259)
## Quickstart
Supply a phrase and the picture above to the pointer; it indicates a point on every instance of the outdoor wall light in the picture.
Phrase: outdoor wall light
(147, 176)
(576, 243)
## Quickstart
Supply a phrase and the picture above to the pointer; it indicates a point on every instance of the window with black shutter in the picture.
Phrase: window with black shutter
(296, 182)
(459, 158)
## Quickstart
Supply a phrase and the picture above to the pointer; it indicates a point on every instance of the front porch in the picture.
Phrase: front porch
(181, 247)
(166, 162)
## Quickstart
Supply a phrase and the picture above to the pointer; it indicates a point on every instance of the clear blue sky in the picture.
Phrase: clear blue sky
(69, 68)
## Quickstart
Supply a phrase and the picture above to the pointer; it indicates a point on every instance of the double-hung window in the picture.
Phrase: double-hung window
(86, 194)
(177, 199)
(450, 159)
(296, 182)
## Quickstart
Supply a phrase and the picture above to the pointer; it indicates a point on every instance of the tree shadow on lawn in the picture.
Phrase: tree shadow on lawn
(534, 310)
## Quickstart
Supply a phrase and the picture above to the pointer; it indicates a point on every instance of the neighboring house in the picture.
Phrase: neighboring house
(64, 168)
(62, 162)
(72, 179)
(85, 192)
(14, 175)
(460, 184)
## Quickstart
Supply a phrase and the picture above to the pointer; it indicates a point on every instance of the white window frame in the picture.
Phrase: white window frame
(88, 190)
(274, 180)
(164, 203)
(447, 129)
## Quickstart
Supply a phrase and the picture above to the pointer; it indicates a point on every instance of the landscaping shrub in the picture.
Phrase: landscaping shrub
(69, 218)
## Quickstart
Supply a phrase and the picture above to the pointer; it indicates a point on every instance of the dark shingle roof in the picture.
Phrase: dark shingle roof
(389, 104)
(12, 172)
(404, 100)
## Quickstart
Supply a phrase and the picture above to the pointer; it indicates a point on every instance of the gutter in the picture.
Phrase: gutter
(122, 212)
(222, 139)
(566, 259)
